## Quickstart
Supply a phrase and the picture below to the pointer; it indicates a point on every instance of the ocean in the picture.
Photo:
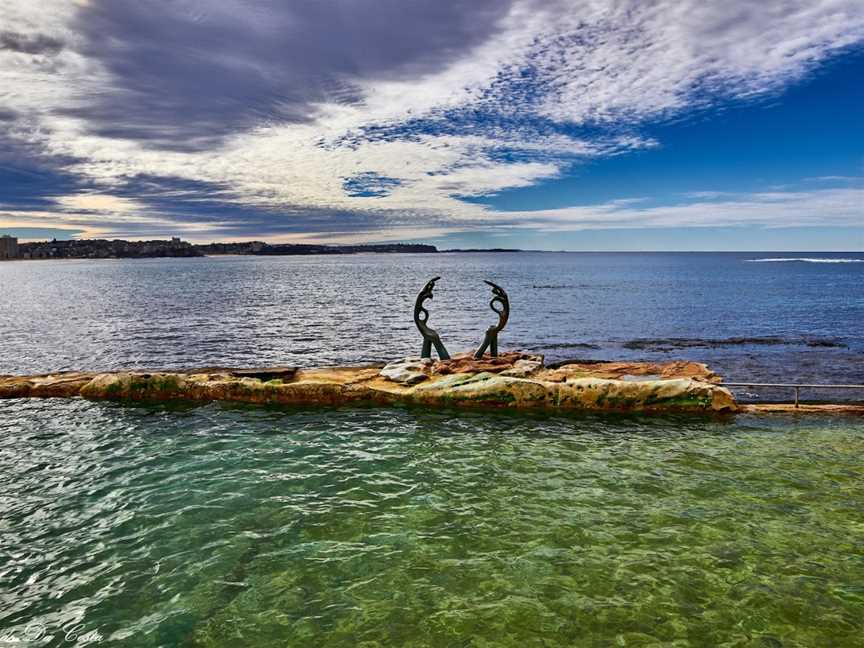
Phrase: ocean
(758, 317)
(159, 525)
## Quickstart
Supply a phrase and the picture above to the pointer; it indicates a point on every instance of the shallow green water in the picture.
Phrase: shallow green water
(220, 526)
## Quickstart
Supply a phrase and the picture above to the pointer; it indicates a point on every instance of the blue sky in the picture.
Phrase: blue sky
(538, 124)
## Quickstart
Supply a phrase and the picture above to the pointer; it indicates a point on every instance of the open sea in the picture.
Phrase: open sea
(221, 525)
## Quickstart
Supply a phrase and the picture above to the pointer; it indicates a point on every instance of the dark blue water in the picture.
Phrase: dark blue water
(791, 320)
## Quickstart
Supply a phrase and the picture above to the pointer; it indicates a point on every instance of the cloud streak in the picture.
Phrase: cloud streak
(30, 44)
(839, 207)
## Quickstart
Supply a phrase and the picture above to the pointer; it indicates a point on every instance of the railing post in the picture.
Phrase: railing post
(797, 387)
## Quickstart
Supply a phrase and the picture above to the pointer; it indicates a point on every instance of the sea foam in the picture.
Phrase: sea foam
(805, 260)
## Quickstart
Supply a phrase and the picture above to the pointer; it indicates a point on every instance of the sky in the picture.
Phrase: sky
(535, 124)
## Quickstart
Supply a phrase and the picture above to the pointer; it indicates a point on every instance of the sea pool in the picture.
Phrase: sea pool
(236, 526)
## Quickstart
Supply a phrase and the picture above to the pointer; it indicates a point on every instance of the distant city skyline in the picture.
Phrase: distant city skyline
(532, 124)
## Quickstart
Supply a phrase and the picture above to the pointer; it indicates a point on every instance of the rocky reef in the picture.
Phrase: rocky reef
(512, 380)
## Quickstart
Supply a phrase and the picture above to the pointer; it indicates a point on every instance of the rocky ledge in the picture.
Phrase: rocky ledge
(513, 380)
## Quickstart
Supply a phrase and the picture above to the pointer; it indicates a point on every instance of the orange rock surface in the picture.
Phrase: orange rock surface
(515, 380)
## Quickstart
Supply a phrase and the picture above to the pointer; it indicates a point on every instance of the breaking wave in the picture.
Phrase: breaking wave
(805, 260)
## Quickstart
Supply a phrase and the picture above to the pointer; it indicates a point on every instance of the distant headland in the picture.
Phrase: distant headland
(260, 248)
(120, 249)
(10, 249)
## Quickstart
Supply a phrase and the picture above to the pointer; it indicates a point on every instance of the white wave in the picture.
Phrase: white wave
(805, 260)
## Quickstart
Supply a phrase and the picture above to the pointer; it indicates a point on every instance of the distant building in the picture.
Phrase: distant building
(8, 247)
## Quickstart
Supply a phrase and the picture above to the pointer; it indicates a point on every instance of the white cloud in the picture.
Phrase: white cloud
(615, 63)
(836, 207)
(640, 59)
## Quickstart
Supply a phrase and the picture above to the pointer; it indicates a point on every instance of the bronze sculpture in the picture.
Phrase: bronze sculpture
(500, 304)
(421, 316)
(490, 341)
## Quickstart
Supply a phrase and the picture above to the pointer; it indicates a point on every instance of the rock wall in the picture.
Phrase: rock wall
(516, 381)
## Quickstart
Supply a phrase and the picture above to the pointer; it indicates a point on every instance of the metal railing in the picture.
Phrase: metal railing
(796, 386)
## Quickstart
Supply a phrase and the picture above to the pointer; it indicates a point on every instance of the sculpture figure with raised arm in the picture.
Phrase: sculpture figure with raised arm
(421, 317)
(490, 341)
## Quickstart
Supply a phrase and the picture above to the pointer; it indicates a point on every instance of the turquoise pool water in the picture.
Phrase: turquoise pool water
(226, 526)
